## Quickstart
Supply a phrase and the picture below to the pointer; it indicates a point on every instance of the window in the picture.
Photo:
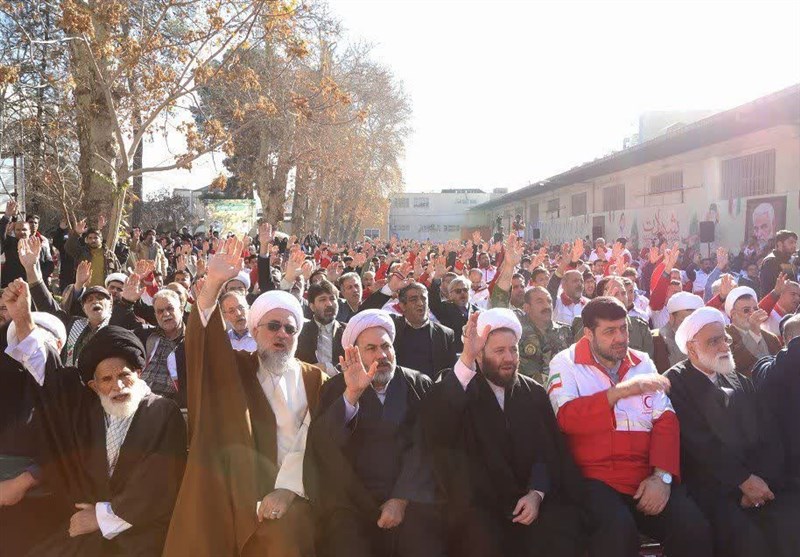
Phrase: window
(400, 228)
(614, 198)
(422, 202)
(578, 204)
(749, 175)
(533, 213)
(553, 207)
(372, 232)
(666, 182)
(400, 202)
(452, 227)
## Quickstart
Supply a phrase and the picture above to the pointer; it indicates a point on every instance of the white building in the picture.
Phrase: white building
(434, 216)
(720, 169)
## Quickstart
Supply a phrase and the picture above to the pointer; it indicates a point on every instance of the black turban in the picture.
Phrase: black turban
(110, 342)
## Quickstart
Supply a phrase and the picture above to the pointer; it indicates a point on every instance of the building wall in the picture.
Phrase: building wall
(675, 215)
(438, 217)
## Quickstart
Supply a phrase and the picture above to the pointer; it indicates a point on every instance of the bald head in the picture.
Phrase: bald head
(791, 329)
(572, 284)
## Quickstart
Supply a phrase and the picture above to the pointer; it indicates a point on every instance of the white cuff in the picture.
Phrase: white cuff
(350, 411)
(539, 493)
(463, 373)
(386, 290)
(205, 314)
(110, 524)
(31, 352)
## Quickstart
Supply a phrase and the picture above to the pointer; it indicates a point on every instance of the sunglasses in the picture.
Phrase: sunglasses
(274, 327)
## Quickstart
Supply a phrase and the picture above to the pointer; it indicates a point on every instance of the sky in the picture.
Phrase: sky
(505, 93)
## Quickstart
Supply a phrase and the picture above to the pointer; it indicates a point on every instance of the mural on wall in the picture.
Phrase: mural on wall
(763, 218)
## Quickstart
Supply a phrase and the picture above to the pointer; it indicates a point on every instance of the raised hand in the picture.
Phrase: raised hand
(356, 378)
(225, 264)
(780, 283)
(671, 257)
(180, 263)
(144, 267)
(653, 254)
(474, 340)
(83, 273)
(756, 319)
(539, 258)
(80, 227)
(307, 268)
(722, 258)
(132, 289)
(514, 250)
(264, 236)
(11, 209)
(17, 297)
(725, 286)
(294, 264)
(28, 250)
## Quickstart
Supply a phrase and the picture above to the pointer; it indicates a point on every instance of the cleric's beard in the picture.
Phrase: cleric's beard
(276, 362)
(718, 363)
(125, 409)
(382, 378)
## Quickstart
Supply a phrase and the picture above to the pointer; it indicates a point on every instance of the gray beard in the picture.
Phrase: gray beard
(276, 363)
(138, 391)
(717, 364)
(383, 377)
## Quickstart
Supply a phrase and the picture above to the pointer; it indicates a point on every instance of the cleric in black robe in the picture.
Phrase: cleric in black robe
(500, 461)
(777, 381)
(25, 500)
(371, 487)
(115, 450)
(731, 456)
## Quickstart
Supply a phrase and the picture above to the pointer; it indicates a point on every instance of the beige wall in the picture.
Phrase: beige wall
(675, 214)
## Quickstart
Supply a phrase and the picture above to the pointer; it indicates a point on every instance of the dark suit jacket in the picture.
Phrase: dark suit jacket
(741, 355)
(777, 381)
(307, 342)
(376, 300)
(722, 443)
(442, 341)
(448, 313)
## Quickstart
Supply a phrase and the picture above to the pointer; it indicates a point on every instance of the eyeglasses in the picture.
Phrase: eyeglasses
(274, 327)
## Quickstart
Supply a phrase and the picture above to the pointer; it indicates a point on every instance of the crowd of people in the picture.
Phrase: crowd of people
(218, 395)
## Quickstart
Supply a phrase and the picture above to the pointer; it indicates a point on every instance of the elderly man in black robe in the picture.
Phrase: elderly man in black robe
(373, 490)
(115, 450)
(732, 460)
(500, 462)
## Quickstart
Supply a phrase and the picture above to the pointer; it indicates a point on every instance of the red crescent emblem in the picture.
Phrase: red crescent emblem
(648, 402)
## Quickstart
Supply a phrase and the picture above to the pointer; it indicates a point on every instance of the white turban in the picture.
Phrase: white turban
(737, 293)
(694, 322)
(119, 277)
(684, 300)
(364, 320)
(274, 299)
(244, 278)
(499, 318)
(46, 321)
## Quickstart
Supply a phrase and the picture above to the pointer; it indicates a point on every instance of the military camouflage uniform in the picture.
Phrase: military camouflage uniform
(536, 348)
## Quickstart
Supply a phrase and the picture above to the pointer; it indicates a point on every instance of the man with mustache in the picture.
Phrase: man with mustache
(114, 450)
(244, 492)
(624, 435)
(542, 338)
(500, 462)
(95, 302)
(749, 340)
(733, 461)
(103, 261)
(373, 489)
(320, 342)
(235, 310)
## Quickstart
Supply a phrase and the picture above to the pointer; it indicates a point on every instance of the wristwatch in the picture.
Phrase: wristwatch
(665, 477)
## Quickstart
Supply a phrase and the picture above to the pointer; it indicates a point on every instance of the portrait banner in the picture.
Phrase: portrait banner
(764, 217)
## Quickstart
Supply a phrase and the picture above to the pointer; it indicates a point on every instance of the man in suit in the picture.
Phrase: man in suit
(777, 380)
(750, 341)
(421, 344)
(455, 312)
(113, 449)
(373, 490)
(733, 463)
(320, 341)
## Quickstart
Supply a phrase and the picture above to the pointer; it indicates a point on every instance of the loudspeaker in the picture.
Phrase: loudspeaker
(706, 231)
(536, 233)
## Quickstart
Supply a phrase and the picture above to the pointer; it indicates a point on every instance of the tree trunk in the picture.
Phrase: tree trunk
(138, 155)
(96, 122)
(300, 202)
(270, 179)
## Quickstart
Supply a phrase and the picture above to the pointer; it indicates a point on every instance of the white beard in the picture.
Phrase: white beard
(718, 363)
(125, 409)
(277, 363)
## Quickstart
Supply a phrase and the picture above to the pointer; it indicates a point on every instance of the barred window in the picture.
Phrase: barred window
(400, 202)
(666, 182)
(578, 204)
(614, 198)
(552, 205)
(749, 175)
(421, 202)
(372, 232)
